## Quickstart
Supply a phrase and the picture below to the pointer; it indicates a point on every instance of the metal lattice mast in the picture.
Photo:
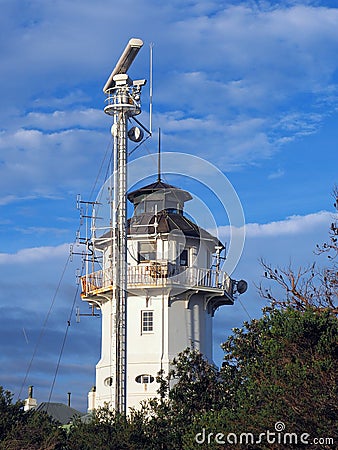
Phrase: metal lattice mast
(123, 97)
(121, 265)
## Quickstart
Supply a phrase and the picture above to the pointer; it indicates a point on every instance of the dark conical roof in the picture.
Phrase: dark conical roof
(159, 186)
(166, 223)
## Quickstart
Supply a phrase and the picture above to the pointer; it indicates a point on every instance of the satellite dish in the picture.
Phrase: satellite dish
(135, 134)
(242, 286)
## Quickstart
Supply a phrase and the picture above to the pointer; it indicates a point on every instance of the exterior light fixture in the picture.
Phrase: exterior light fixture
(135, 134)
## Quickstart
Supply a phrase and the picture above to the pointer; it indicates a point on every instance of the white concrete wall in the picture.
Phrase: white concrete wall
(106, 366)
(147, 352)
(178, 324)
(189, 326)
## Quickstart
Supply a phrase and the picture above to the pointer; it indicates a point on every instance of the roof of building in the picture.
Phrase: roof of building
(167, 222)
(58, 411)
(159, 186)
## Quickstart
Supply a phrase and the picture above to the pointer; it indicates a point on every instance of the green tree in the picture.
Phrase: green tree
(107, 430)
(9, 413)
(192, 388)
(283, 369)
(29, 430)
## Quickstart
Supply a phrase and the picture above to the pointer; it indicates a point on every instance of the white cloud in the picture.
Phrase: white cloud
(85, 118)
(242, 37)
(36, 230)
(8, 199)
(238, 99)
(231, 143)
(74, 97)
(45, 164)
(293, 225)
(33, 255)
(257, 60)
(299, 124)
(277, 174)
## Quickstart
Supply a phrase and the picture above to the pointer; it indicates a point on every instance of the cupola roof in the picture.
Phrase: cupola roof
(166, 223)
(180, 194)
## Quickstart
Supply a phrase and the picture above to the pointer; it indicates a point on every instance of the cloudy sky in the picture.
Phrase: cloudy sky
(249, 86)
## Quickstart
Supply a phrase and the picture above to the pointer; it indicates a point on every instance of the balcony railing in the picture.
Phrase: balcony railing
(158, 274)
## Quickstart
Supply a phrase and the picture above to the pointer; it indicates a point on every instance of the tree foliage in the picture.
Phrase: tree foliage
(192, 388)
(29, 430)
(286, 365)
(108, 430)
(280, 368)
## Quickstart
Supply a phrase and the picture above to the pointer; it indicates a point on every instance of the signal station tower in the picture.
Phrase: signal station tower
(156, 276)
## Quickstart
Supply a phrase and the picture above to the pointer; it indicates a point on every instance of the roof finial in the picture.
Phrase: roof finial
(159, 156)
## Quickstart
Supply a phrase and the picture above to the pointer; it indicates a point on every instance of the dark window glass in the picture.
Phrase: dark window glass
(146, 251)
(144, 379)
(184, 258)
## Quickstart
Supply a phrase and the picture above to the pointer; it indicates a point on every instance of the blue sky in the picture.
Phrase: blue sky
(250, 86)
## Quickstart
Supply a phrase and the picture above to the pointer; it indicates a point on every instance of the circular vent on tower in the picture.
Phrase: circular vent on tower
(145, 379)
(108, 381)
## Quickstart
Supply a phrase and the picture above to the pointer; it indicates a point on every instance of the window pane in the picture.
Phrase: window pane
(152, 204)
(147, 321)
(147, 251)
(184, 258)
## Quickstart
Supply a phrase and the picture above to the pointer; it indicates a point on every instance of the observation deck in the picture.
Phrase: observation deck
(160, 275)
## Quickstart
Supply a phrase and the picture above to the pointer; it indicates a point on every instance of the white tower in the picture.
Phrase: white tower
(160, 281)
(172, 292)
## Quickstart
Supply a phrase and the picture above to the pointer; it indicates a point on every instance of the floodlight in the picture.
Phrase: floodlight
(242, 286)
(135, 134)
(125, 61)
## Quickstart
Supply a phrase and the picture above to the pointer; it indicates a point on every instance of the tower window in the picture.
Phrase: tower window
(147, 321)
(153, 205)
(145, 379)
(146, 251)
(184, 258)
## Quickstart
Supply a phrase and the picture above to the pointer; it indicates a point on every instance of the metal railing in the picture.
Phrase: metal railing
(157, 274)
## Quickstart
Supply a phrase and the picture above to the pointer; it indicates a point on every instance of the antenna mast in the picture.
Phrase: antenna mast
(151, 88)
(123, 102)
(159, 156)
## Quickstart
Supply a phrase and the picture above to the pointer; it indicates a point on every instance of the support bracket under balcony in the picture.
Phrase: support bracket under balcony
(214, 301)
